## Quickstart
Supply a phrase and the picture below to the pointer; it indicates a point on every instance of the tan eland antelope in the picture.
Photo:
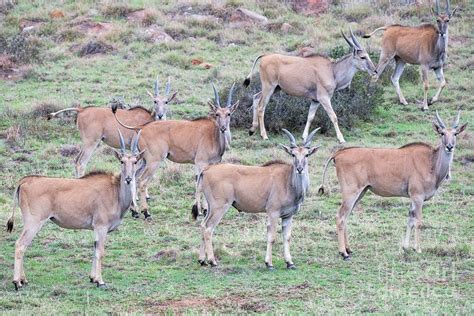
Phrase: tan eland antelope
(97, 201)
(414, 171)
(200, 142)
(98, 124)
(276, 188)
(315, 77)
(424, 45)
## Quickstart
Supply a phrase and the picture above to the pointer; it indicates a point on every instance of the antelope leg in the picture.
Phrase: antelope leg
(286, 231)
(84, 156)
(442, 83)
(256, 101)
(400, 65)
(271, 234)
(267, 92)
(99, 252)
(213, 218)
(326, 103)
(31, 228)
(424, 75)
(311, 113)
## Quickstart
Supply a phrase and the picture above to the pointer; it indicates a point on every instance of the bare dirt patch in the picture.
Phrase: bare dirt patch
(231, 303)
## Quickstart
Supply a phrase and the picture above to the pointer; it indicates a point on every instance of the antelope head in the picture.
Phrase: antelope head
(129, 161)
(448, 134)
(160, 101)
(300, 154)
(222, 114)
(360, 58)
(442, 18)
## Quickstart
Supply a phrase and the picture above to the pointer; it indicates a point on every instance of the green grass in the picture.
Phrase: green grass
(152, 267)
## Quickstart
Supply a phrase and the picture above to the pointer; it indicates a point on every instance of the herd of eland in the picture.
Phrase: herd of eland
(98, 201)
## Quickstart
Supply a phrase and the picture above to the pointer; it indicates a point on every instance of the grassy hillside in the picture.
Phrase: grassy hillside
(152, 266)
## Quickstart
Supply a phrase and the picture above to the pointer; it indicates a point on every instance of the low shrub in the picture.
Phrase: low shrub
(23, 49)
(116, 10)
(94, 47)
(42, 109)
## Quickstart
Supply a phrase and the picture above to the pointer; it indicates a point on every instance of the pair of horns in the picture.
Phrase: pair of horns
(134, 147)
(167, 88)
(353, 42)
(307, 141)
(217, 100)
(455, 121)
(447, 7)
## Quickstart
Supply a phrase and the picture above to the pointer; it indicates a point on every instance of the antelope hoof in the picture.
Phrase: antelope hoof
(148, 198)
(251, 132)
(269, 267)
(404, 102)
(147, 215)
(204, 212)
(213, 264)
(91, 279)
(135, 214)
(102, 286)
(290, 266)
(349, 252)
(203, 263)
(345, 257)
(17, 285)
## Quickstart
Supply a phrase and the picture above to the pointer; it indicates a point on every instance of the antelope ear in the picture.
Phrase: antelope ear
(438, 129)
(172, 96)
(452, 13)
(150, 94)
(140, 154)
(312, 150)
(212, 106)
(286, 148)
(234, 107)
(433, 12)
(461, 129)
(117, 154)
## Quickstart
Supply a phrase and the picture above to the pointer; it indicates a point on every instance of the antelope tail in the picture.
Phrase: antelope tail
(54, 114)
(196, 210)
(135, 128)
(247, 79)
(16, 202)
(383, 28)
(321, 188)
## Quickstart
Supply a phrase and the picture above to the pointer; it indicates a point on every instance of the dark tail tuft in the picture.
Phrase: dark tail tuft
(10, 225)
(195, 211)
(114, 107)
(246, 82)
(49, 117)
(321, 190)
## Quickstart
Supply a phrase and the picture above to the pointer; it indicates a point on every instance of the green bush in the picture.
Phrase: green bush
(116, 10)
(23, 49)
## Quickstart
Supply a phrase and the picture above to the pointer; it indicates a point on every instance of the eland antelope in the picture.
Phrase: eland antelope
(276, 188)
(315, 77)
(201, 142)
(97, 201)
(98, 124)
(424, 45)
(414, 171)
